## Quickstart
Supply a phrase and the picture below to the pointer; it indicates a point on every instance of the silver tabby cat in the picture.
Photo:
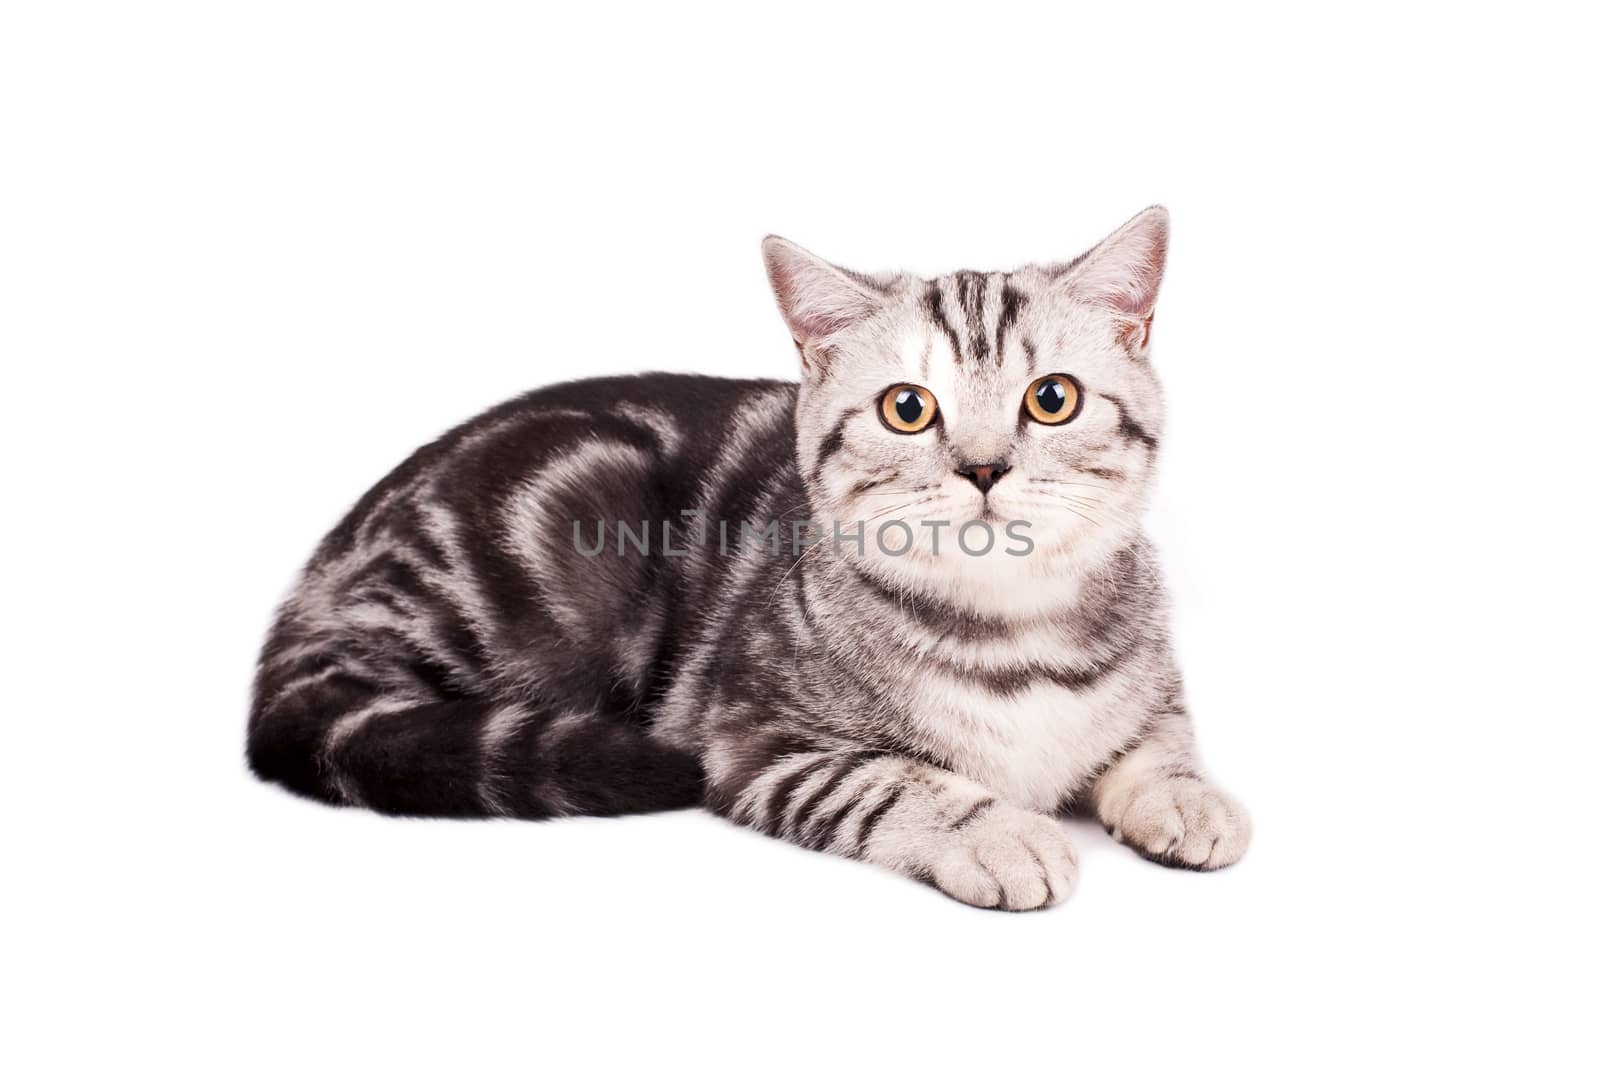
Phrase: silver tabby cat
(551, 611)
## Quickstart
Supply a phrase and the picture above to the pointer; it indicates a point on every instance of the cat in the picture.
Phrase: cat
(643, 593)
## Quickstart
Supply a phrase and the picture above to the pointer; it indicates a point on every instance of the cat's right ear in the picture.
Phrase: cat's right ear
(818, 299)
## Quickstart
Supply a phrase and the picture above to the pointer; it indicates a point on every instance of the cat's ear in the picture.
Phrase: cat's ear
(1123, 272)
(817, 298)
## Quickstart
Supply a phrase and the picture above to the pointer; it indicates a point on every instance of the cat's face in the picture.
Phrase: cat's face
(1024, 401)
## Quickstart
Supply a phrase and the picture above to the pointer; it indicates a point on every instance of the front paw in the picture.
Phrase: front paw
(1181, 822)
(1004, 857)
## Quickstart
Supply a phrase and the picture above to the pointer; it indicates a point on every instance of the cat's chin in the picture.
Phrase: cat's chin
(997, 585)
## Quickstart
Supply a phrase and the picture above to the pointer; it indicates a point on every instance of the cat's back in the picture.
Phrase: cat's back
(468, 557)
(680, 425)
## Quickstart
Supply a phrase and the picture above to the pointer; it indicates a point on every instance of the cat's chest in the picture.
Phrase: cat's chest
(1035, 743)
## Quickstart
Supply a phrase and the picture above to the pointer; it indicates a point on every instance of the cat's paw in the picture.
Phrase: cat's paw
(1181, 822)
(1005, 857)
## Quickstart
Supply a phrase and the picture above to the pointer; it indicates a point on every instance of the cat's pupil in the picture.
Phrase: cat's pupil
(1052, 397)
(908, 405)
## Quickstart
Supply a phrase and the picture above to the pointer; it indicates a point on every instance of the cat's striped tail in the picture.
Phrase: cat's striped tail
(337, 737)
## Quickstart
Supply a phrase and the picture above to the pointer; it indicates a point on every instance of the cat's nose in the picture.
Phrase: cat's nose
(983, 475)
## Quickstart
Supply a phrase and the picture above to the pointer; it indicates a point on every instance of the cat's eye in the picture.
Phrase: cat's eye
(907, 408)
(1053, 399)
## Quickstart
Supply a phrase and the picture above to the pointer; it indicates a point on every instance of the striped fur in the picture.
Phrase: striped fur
(451, 649)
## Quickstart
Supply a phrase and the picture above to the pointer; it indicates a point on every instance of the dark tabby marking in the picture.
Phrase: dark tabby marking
(1129, 427)
(934, 301)
(1011, 303)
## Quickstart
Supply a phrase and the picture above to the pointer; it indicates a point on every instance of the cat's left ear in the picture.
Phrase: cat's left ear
(818, 299)
(1123, 272)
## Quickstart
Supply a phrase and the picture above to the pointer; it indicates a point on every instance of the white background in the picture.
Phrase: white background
(252, 255)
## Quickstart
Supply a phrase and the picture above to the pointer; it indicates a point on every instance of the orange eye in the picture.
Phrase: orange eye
(907, 408)
(1053, 399)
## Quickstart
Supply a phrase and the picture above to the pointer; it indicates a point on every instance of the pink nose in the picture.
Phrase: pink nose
(983, 475)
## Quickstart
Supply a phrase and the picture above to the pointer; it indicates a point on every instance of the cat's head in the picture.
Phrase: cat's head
(1024, 397)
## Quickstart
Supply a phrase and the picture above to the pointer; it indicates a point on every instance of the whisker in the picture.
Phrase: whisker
(891, 492)
(1072, 497)
(1060, 481)
(1081, 515)
(778, 585)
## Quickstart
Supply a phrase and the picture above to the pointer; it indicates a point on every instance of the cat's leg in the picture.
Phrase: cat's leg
(898, 813)
(1156, 799)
